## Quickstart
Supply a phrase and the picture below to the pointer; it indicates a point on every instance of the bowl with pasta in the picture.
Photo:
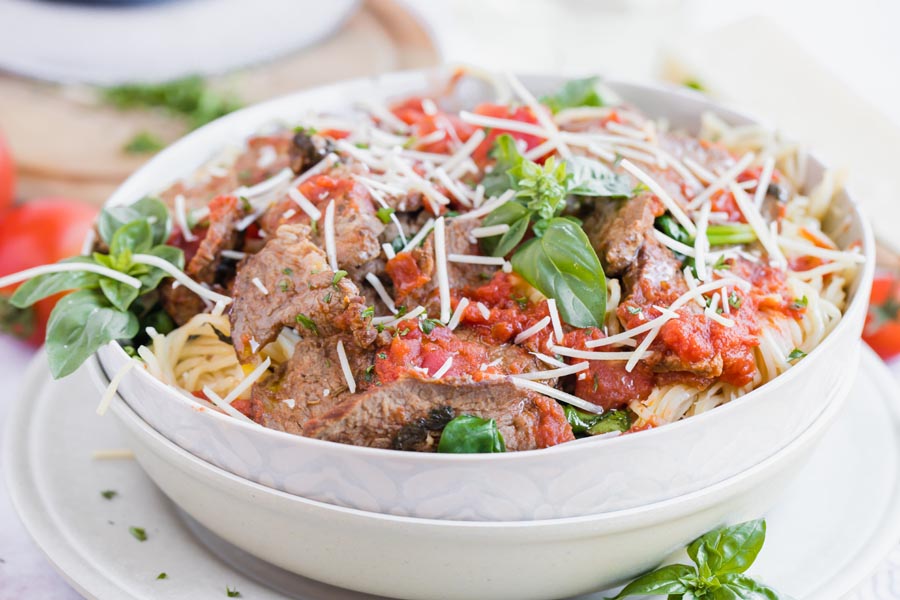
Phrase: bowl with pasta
(479, 296)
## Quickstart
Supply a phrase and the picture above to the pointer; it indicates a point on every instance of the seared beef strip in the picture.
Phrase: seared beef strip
(300, 290)
(377, 416)
(206, 265)
(306, 150)
(310, 384)
(617, 230)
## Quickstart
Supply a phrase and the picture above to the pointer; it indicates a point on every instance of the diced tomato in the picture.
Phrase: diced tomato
(882, 330)
(501, 111)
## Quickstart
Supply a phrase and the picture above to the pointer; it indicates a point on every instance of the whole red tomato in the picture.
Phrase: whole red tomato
(7, 176)
(39, 232)
(882, 331)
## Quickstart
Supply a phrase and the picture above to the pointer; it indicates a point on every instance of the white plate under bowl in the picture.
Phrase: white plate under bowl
(839, 518)
(577, 478)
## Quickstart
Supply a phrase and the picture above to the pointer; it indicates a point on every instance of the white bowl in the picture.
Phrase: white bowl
(578, 478)
(420, 558)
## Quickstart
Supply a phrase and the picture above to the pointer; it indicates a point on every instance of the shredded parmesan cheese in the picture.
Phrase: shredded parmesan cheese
(458, 313)
(554, 318)
(305, 205)
(345, 367)
(259, 285)
(531, 331)
(663, 196)
(554, 373)
(226, 406)
(110, 391)
(61, 267)
(440, 259)
(330, 242)
(381, 291)
(475, 259)
(181, 219)
(547, 390)
(178, 275)
(443, 369)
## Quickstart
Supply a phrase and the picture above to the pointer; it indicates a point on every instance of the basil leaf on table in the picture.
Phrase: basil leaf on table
(151, 210)
(729, 549)
(590, 177)
(574, 93)
(562, 264)
(671, 579)
(44, 286)
(79, 325)
(737, 586)
(467, 434)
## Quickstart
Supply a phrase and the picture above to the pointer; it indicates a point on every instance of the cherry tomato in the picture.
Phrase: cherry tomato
(882, 330)
(39, 232)
(7, 176)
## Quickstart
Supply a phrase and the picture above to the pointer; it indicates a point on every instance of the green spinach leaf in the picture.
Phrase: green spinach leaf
(467, 434)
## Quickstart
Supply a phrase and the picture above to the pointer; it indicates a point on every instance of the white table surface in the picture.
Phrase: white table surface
(857, 42)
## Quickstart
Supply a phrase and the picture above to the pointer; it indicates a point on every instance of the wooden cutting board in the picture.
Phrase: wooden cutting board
(68, 143)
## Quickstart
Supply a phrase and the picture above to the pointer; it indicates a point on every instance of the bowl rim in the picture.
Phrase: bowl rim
(396, 79)
(669, 508)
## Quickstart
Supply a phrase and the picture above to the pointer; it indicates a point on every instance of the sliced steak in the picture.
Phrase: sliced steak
(306, 150)
(308, 385)
(683, 344)
(617, 230)
(207, 265)
(376, 417)
(298, 284)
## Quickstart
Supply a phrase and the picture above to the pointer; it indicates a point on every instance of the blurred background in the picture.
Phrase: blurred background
(91, 90)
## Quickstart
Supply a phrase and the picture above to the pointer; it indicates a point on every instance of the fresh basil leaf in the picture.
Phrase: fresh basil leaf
(737, 586)
(611, 420)
(574, 93)
(671, 579)
(79, 325)
(43, 286)
(590, 177)
(151, 277)
(545, 186)
(729, 549)
(150, 209)
(506, 156)
(467, 434)
(119, 294)
(134, 236)
(562, 265)
(515, 215)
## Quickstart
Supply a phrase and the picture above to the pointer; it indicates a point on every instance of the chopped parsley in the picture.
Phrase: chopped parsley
(795, 354)
(384, 213)
(232, 593)
(138, 533)
(734, 301)
(109, 494)
(306, 130)
(308, 323)
(327, 298)
(370, 372)
(162, 575)
(144, 142)
(427, 325)
(635, 310)
(368, 313)
(284, 285)
(800, 303)
(382, 355)
(287, 271)
(338, 275)
(245, 204)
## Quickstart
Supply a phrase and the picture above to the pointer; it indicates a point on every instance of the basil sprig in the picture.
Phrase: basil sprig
(103, 309)
(574, 93)
(560, 261)
(467, 434)
(721, 556)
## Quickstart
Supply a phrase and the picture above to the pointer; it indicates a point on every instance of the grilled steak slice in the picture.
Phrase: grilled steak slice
(308, 385)
(300, 291)
(617, 230)
(207, 265)
(683, 344)
(377, 416)
(306, 151)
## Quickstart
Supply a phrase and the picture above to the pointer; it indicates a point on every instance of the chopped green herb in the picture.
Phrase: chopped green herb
(795, 354)
(188, 97)
(232, 593)
(144, 143)
(138, 533)
(370, 372)
(734, 301)
(245, 204)
(384, 213)
(308, 323)
(162, 575)
(403, 332)
(284, 285)
(467, 434)
(338, 275)
(287, 271)
(327, 298)
(800, 303)
(306, 130)
(109, 494)
(521, 301)
(721, 263)
(368, 313)
(695, 85)
(635, 310)
(382, 355)
(451, 213)
(427, 325)
(574, 93)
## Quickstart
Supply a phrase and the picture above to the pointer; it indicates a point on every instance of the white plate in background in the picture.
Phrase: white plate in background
(109, 43)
